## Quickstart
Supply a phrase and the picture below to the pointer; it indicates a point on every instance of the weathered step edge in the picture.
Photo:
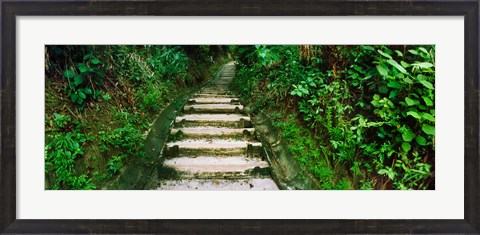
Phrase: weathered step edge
(213, 132)
(213, 101)
(215, 167)
(221, 120)
(173, 149)
(213, 108)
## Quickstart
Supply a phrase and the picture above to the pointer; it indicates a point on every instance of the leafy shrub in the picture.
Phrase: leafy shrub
(369, 109)
(114, 165)
(61, 151)
(82, 77)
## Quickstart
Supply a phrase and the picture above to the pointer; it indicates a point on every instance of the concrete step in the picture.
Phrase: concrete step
(210, 132)
(207, 167)
(213, 108)
(218, 86)
(213, 101)
(214, 147)
(220, 120)
(205, 95)
(215, 92)
(254, 184)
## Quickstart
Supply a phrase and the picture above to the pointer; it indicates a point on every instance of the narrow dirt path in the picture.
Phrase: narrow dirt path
(214, 145)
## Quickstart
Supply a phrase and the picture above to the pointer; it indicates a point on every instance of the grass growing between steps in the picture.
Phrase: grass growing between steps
(101, 101)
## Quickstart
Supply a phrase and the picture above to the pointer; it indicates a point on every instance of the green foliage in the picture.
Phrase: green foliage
(82, 77)
(125, 141)
(369, 109)
(114, 165)
(153, 97)
(128, 138)
(115, 91)
(61, 150)
(149, 63)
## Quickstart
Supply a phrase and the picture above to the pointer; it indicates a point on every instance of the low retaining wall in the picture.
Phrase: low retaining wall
(285, 170)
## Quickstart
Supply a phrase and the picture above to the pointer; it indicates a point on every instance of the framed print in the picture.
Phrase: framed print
(239, 117)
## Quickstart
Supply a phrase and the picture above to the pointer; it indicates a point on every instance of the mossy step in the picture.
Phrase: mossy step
(218, 167)
(219, 86)
(253, 184)
(213, 108)
(215, 92)
(220, 120)
(212, 147)
(214, 132)
(213, 100)
(205, 95)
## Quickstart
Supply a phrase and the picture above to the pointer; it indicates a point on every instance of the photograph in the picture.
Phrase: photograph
(239, 117)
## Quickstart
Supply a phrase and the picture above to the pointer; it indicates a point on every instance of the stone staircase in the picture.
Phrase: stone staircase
(213, 144)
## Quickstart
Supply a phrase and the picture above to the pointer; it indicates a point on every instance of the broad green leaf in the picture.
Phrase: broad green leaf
(382, 70)
(421, 77)
(413, 114)
(413, 52)
(404, 64)
(408, 80)
(79, 100)
(83, 68)
(95, 61)
(428, 101)
(428, 117)
(389, 173)
(82, 95)
(367, 77)
(390, 103)
(406, 146)
(376, 97)
(74, 97)
(87, 56)
(87, 91)
(423, 65)
(399, 53)
(382, 172)
(369, 48)
(429, 130)
(384, 54)
(423, 50)
(408, 135)
(397, 66)
(427, 84)
(394, 84)
(393, 94)
(78, 80)
(411, 102)
(69, 74)
(421, 140)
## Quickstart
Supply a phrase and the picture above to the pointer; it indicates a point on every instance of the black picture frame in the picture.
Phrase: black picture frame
(469, 9)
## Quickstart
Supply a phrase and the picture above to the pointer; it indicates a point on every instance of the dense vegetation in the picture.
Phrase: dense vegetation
(356, 117)
(101, 101)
